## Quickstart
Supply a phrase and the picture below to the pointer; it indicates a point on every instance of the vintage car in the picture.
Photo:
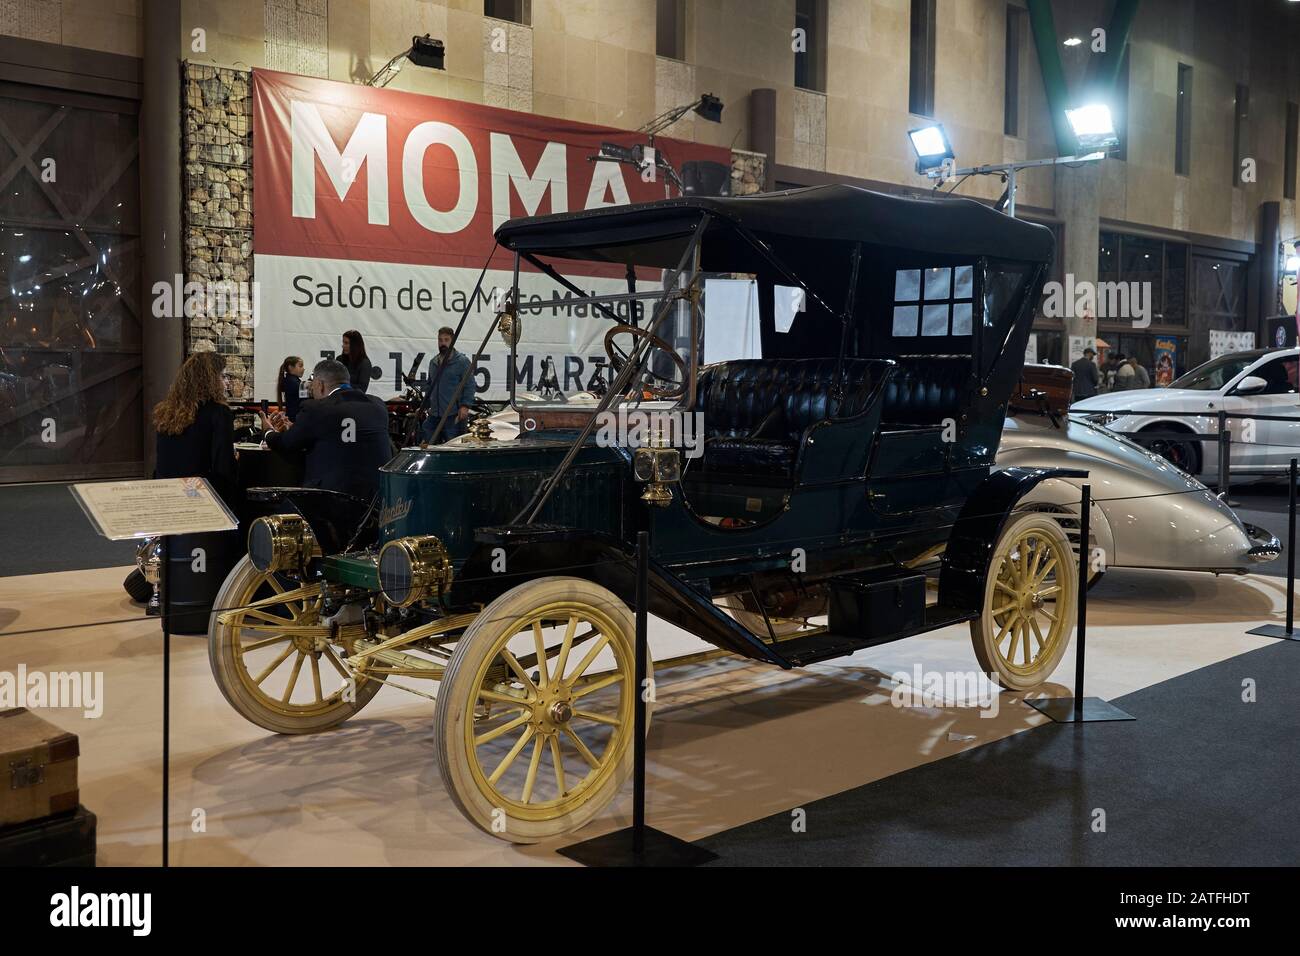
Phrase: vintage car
(498, 577)
(1146, 513)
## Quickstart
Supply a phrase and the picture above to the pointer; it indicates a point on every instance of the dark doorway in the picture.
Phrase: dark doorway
(71, 309)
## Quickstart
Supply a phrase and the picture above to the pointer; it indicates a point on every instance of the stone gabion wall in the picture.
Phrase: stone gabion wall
(748, 171)
(217, 185)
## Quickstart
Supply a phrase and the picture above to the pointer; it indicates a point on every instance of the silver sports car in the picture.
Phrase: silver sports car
(1146, 512)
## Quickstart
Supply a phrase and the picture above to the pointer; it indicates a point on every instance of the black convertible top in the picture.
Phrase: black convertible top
(828, 213)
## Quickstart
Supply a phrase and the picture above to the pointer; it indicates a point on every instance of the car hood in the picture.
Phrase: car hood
(1143, 399)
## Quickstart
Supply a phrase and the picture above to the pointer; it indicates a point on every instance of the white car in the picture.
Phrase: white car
(1259, 382)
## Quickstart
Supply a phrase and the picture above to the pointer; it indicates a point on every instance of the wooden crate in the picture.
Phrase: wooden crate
(38, 768)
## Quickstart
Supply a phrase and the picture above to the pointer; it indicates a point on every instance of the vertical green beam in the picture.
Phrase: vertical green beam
(1049, 63)
(1104, 70)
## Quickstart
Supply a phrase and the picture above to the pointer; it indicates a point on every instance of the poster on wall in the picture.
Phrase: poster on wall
(1166, 358)
(375, 210)
(1222, 342)
(1078, 343)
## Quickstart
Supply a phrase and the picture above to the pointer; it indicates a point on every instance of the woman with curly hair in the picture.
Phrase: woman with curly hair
(196, 428)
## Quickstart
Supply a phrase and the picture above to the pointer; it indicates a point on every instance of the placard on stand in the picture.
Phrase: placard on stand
(159, 507)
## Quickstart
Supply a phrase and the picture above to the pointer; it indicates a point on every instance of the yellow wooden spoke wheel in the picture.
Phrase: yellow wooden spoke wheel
(276, 661)
(535, 711)
(1029, 603)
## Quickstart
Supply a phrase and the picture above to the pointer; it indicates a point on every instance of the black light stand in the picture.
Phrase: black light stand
(1080, 709)
(164, 577)
(639, 845)
(1287, 633)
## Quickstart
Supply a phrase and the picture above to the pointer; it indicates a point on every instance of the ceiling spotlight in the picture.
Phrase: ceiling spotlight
(931, 146)
(1093, 126)
(1072, 41)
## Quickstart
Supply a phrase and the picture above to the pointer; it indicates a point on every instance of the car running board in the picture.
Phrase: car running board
(824, 646)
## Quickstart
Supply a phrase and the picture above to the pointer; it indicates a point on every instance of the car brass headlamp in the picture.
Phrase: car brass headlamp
(657, 467)
(281, 543)
(411, 569)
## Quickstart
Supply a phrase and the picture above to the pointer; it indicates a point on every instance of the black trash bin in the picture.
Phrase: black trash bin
(194, 591)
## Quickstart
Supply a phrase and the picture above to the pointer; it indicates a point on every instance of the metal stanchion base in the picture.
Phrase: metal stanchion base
(1061, 710)
(657, 849)
(1275, 630)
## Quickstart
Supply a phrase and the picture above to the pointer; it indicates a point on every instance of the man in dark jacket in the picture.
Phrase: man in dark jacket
(343, 432)
(1086, 376)
(445, 376)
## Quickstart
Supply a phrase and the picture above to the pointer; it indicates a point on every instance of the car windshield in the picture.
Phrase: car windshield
(1215, 373)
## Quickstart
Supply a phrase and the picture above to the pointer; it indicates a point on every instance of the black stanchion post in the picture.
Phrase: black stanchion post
(639, 845)
(1080, 709)
(1225, 456)
(1085, 560)
(1272, 630)
(165, 579)
(638, 741)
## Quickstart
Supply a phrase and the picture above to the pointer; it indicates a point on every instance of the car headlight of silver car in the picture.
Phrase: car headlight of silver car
(413, 568)
(1104, 418)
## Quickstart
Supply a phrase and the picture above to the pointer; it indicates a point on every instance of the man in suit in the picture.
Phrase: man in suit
(445, 376)
(342, 431)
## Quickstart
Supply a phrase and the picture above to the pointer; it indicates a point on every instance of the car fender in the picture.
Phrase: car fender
(507, 557)
(1062, 496)
(969, 553)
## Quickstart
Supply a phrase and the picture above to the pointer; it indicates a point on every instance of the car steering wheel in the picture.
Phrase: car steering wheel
(618, 358)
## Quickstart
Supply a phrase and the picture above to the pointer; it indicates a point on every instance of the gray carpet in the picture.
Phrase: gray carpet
(45, 530)
(1200, 778)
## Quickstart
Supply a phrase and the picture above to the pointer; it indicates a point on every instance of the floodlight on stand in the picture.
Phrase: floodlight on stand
(931, 146)
(1093, 126)
(709, 108)
(428, 52)
(424, 51)
(620, 154)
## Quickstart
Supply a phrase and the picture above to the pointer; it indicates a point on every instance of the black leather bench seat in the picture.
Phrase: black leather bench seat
(757, 410)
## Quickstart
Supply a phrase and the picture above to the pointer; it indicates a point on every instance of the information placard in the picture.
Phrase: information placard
(121, 510)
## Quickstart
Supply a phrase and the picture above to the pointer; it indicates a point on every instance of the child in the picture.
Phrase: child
(288, 386)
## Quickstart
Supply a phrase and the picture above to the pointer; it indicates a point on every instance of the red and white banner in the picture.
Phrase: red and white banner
(375, 210)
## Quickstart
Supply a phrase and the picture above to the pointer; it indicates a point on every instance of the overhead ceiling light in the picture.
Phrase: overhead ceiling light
(931, 146)
(1093, 126)
(1072, 41)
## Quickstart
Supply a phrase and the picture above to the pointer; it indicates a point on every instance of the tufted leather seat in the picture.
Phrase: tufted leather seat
(925, 389)
(756, 410)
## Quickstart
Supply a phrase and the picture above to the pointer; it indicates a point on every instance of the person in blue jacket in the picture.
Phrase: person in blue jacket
(446, 374)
